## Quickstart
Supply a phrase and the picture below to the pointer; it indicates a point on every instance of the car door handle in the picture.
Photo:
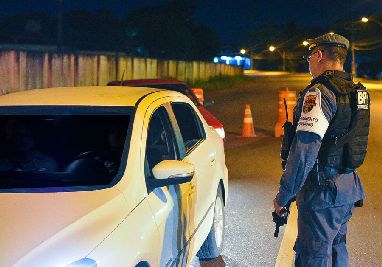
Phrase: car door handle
(192, 189)
(212, 158)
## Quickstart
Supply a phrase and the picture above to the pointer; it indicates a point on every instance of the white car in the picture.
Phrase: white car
(104, 176)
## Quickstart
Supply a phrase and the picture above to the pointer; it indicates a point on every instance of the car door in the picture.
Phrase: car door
(169, 204)
(202, 155)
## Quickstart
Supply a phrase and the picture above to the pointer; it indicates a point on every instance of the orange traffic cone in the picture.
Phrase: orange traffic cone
(199, 94)
(248, 130)
(290, 98)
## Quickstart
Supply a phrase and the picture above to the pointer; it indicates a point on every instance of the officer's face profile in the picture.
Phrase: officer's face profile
(314, 59)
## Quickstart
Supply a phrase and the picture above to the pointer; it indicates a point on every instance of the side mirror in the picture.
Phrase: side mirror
(171, 172)
(208, 102)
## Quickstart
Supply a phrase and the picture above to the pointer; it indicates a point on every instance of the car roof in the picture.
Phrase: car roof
(146, 82)
(73, 96)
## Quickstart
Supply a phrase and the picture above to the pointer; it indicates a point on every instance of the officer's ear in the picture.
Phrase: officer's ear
(320, 55)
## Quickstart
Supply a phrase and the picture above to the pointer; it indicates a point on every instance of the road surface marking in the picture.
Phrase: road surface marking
(286, 254)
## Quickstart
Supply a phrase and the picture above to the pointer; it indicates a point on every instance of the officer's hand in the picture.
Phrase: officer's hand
(277, 207)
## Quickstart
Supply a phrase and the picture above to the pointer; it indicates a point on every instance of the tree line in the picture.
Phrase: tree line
(288, 39)
(169, 31)
(163, 31)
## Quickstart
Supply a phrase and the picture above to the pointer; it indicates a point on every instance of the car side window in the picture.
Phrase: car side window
(160, 141)
(189, 124)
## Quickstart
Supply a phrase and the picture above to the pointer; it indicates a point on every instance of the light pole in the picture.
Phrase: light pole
(250, 55)
(363, 20)
(353, 64)
(282, 54)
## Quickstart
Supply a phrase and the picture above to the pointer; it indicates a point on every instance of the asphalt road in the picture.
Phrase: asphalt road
(254, 172)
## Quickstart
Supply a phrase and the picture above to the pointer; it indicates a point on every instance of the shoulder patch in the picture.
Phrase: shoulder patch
(309, 102)
(362, 99)
(312, 118)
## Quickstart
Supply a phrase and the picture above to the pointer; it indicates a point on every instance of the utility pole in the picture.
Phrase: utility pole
(283, 60)
(251, 60)
(59, 25)
(282, 54)
(353, 64)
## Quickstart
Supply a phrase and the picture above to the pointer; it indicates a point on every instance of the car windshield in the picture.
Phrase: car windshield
(62, 147)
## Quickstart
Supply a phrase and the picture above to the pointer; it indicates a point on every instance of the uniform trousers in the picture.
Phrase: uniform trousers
(321, 240)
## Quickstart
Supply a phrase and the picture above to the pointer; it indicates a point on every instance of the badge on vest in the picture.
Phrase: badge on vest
(312, 118)
(362, 99)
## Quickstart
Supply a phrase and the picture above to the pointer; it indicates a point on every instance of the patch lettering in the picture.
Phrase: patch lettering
(362, 99)
(312, 118)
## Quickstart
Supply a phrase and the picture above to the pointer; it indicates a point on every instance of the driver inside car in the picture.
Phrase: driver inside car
(23, 154)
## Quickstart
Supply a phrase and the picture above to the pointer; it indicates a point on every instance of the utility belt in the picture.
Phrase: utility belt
(318, 177)
(318, 180)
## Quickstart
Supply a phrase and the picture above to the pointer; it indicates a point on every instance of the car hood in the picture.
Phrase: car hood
(210, 119)
(30, 221)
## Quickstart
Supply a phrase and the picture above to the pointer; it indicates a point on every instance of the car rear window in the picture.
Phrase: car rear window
(61, 147)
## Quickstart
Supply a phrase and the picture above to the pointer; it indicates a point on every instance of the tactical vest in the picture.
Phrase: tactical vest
(344, 145)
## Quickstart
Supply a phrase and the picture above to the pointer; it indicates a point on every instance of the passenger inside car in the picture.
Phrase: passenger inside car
(111, 155)
(61, 150)
(22, 152)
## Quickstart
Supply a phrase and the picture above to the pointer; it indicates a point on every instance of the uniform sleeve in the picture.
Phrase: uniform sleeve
(317, 111)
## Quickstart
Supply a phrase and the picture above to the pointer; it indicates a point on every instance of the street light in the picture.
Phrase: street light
(365, 20)
(249, 52)
(305, 43)
(282, 54)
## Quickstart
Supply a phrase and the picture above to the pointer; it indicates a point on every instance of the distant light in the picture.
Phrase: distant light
(364, 19)
(226, 59)
(216, 60)
(272, 48)
(243, 51)
(331, 33)
(238, 58)
(305, 43)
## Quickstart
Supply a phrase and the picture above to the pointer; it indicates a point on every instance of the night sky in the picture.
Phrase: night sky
(231, 19)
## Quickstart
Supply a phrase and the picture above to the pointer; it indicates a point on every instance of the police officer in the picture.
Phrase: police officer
(331, 123)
